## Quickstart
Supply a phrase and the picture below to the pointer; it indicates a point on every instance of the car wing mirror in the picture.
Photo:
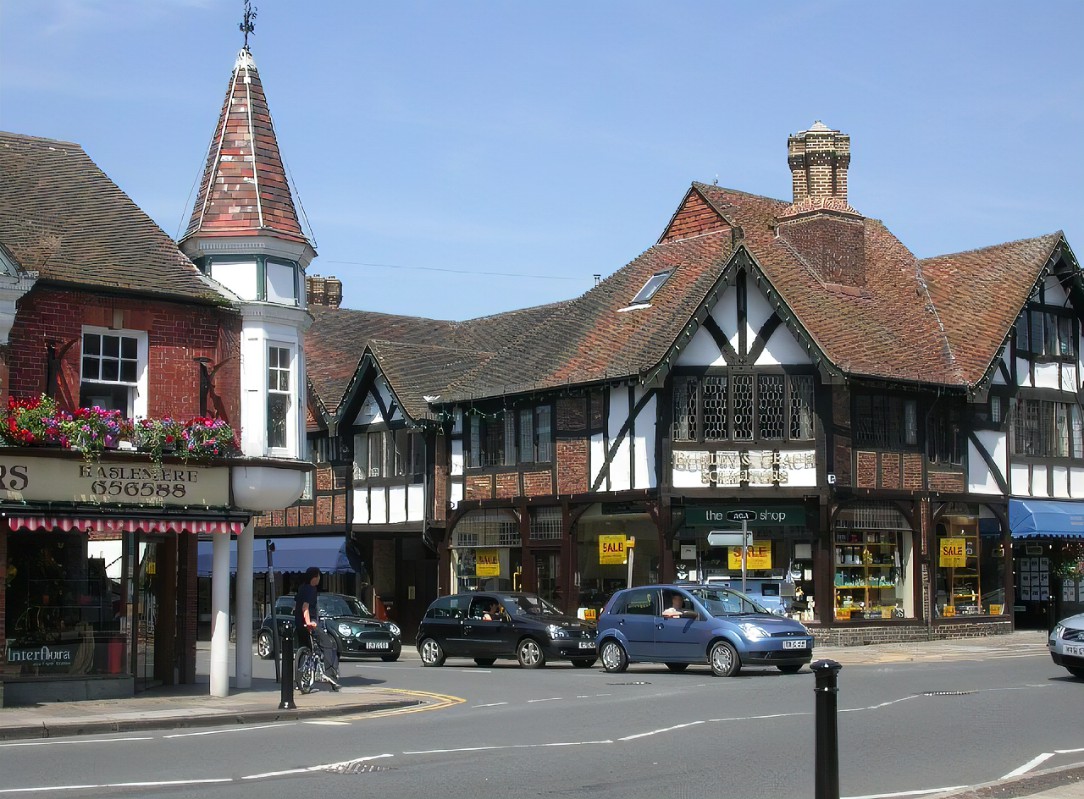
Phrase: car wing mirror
(690, 614)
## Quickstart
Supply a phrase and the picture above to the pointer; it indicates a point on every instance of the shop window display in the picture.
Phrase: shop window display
(872, 578)
(62, 610)
(969, 569)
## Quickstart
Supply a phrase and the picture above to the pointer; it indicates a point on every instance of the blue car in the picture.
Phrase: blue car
(682, 624)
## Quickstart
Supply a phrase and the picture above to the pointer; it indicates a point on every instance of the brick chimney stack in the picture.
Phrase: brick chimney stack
(323, 291)
(818, 160)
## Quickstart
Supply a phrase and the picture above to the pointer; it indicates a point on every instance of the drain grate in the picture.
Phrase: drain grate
(637, 682)
(947, 693)
(356, 768)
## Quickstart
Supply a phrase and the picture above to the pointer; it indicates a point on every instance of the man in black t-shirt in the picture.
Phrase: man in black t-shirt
(306, 615)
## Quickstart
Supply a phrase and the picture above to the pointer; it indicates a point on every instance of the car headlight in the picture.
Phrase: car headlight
(394, 629)
(345, 630)
(1056, 633)
(556, 631)
(752, 631)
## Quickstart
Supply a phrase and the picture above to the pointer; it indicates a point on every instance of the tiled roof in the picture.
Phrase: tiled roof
(244, 190)
(979, 294)
(62, 217)
(421, 357)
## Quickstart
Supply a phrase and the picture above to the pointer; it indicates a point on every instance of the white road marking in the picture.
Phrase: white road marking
(507, 746)
(924, 792)
(71, 742)
(1024, 769)
(660, 731)
(328, 723)
(549, 699)
(157, 784)
(246, 728)
(491, 704)
(310, 769)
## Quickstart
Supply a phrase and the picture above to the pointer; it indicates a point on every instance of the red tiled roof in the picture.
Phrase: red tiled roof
(62, 217)
(244, 190)
(979, 294)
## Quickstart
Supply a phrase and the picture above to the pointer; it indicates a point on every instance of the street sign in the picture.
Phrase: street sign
(720, 538)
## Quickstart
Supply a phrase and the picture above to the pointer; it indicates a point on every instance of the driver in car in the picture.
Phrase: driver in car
(677, 607)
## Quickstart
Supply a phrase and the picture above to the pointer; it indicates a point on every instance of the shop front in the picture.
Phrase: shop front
(96, 588)
(775, 566)
(1048, 560)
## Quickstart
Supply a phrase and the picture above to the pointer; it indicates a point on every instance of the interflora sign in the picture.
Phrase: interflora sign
(137, 483)
(611, 549)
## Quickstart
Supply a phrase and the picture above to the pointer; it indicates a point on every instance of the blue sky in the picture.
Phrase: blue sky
(462, 158)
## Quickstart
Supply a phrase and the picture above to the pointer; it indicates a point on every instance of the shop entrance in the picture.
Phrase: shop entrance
(154, 611)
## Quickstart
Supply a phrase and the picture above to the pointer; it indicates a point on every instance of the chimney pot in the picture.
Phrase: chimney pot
(818, 160)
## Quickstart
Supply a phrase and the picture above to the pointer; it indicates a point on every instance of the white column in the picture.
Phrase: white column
(220, 616)
(243, 609)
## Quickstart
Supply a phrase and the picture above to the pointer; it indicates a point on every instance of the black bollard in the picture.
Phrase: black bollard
(827, 750)
(287, 688)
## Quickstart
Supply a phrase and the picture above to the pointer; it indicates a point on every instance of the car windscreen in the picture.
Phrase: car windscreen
(725, 602)
(336, 605)
(530, 605)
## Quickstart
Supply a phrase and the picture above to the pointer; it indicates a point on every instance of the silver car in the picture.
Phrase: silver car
(1066, 644)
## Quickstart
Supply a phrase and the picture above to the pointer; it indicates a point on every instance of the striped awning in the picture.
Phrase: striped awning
(110, 525)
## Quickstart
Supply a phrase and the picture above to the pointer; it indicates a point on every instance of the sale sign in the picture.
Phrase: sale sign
(952, 553)
(611, 549)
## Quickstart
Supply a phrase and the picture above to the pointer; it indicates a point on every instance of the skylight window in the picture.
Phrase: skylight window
(650, 287)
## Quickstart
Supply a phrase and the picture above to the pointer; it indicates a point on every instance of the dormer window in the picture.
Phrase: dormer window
(650, 287)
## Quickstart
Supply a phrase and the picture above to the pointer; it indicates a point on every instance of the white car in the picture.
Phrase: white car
(1066, 644)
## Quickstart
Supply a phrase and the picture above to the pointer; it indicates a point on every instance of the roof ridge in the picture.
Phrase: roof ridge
(1055, 234)
(43, 139)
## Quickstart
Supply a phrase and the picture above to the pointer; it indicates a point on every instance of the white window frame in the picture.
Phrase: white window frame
(137, 390)
(290, 393)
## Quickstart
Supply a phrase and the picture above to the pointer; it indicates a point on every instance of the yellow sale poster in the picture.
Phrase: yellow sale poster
(487, 563)
(611, 549)
(952, 553)
(759, 556)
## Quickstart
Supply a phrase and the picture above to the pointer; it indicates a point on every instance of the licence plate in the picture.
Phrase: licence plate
(376, 644)
(1072, 649)
(587, 644)
(796, 644)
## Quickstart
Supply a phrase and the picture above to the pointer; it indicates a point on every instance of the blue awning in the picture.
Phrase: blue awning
(292, 554)
(1046, 518)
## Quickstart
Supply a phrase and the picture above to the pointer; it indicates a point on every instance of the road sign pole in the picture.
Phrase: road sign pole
(630, 552)
(744, 551)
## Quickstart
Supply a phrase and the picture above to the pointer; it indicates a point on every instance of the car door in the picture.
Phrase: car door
(482, 638)
(679, 639)
(637, 622)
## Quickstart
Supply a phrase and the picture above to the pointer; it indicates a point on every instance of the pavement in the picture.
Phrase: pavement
(192, 706)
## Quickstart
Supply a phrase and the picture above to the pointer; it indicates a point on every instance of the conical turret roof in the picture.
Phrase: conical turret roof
(244, 190)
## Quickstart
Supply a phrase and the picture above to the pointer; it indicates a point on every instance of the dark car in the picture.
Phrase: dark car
(521, 626)
(354, 629)
(682, 624)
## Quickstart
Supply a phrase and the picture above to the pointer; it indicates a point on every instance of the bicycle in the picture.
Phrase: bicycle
(309, 666)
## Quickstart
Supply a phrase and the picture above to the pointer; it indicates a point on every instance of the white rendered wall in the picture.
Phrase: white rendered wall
(644, 458)
(620, 464)
(980, 479)
(397, 499)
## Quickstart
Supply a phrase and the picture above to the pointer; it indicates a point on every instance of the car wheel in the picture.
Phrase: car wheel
(677, 666)
(265, 645)
(583, 663)
(432, 653)
(390, 658)
(790, 668)
(530, 654)
(485, 661)
(614, 659)
(1076, 672)
(724, 660)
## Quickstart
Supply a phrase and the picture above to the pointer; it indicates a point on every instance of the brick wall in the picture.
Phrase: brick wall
(323, 510)
(478, 486)
(912, 471)
(861, 635)
(866, 476)
(891, 468)
(835, 247)
(693, 219)
(440, 492)
(507, 485)
(176, 334)
(949, 482)
(538, 484)
(572, 466)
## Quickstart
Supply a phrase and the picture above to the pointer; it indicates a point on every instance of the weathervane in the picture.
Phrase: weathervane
(249, 24)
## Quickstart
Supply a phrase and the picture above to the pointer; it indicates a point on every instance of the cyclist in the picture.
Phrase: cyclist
(306, 614)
